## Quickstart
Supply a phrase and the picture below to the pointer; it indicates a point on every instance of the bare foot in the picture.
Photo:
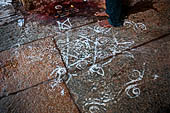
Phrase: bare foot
(104, 23)
(101, 14)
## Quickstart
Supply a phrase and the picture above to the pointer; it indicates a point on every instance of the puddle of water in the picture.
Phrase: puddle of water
(59, 11)
(71, 9)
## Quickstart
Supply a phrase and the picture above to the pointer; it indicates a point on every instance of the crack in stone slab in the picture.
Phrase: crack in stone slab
(137, 46)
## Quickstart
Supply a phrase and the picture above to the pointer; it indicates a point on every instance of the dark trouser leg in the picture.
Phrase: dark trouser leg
(114, 10)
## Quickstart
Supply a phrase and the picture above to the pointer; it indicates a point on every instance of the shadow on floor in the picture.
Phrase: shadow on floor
(140, 6)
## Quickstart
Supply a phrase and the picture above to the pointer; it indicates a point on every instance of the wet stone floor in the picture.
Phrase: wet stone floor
(72, 65)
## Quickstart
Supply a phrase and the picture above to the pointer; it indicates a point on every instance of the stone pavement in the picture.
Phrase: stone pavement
(73, 65)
